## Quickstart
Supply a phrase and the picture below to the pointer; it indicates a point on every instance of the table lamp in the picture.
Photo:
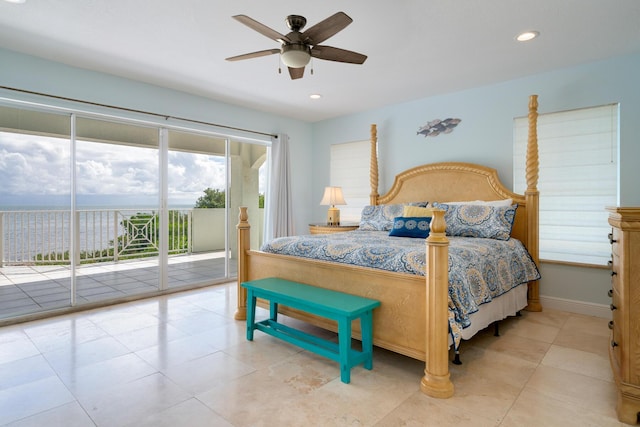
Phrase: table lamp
(332, 197)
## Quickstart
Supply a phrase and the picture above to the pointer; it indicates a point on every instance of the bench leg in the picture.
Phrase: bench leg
(273, 311)
(366, 326)
(344, 345)
(251, 314)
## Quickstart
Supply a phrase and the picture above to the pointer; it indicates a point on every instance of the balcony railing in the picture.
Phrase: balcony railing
(29, 237)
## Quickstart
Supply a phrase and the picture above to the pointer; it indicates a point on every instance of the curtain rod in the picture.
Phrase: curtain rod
(131, 110)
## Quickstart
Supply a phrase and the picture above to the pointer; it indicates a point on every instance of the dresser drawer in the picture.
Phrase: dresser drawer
(614, 238)
(617, 325)
(615, 274)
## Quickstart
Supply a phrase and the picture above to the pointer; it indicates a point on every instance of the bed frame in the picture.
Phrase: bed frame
(412, 318)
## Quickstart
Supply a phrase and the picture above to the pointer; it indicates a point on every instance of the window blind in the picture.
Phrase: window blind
(349, 169)
(578, 177)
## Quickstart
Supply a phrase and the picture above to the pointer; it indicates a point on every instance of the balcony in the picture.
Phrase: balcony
(118, 256)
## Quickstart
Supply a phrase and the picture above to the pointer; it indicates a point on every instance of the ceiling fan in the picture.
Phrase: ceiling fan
(298, 47)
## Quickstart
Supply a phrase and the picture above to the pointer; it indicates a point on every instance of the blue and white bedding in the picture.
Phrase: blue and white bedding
(480, 269)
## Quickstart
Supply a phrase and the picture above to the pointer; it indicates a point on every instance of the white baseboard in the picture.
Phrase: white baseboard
(579, 307)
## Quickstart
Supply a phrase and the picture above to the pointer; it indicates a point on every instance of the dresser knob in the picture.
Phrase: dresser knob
(610, 293)
(613, 307)
(611, 238)
(613, 273)
(610, 263)
(614, 344)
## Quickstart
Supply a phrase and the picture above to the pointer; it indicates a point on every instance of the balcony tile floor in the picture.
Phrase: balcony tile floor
(181, 360)
(31, 289)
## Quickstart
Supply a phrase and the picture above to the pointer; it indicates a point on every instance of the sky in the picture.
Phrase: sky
(35, 167)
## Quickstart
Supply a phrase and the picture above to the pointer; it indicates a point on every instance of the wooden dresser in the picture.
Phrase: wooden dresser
(624, 351)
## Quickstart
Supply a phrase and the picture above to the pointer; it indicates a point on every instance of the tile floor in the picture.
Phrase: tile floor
(181, 360)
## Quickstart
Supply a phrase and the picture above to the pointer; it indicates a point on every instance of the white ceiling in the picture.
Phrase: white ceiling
(415, 48)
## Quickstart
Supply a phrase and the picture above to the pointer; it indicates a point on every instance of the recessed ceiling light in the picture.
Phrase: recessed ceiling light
(527, 35)
(315, 96)
(16, 1)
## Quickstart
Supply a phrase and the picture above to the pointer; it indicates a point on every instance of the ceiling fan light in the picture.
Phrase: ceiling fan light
(295, 56)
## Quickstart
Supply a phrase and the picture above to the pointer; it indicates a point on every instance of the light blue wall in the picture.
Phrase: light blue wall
(38, 75)
(485, 136)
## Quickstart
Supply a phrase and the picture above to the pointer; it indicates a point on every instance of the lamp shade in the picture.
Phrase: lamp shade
(333, 196)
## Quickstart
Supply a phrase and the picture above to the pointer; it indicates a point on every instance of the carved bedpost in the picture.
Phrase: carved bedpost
(244, 243)
(532, 196)
(373, 166)
(436, 381)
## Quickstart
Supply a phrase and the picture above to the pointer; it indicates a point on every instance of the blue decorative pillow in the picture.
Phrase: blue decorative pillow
(492, 222)
(412, 226)
(380, 217)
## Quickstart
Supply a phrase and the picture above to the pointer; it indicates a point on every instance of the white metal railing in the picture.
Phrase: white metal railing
(44, 236)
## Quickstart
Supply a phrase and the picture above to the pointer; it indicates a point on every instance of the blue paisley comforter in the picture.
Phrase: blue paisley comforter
(479, 269)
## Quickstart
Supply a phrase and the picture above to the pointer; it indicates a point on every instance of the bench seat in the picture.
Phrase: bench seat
(338, 306)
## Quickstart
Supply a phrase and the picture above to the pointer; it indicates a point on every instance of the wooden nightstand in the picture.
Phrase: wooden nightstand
(323, 228)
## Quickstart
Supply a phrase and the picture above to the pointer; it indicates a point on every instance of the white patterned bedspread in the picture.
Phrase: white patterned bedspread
(479, 269)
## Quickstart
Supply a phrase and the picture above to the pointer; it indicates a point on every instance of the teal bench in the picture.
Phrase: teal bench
(334, 305)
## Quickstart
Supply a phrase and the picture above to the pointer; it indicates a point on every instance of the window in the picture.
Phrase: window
(350, 170)
(578, 153)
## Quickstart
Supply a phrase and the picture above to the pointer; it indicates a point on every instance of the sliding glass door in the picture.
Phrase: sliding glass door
(96, 210)
(209, 178)
(117, 216)
(35, 211)
(197, 182)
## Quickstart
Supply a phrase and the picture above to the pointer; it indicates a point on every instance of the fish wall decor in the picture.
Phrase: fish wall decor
(437, 126)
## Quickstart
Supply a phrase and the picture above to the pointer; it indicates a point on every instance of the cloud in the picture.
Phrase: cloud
(191, 173)
(31, 164)
(39, 165)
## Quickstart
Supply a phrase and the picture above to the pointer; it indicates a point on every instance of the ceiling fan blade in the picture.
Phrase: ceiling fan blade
(296, 73)
(327, 28)
(254, 54)
(261, 28)
(339, 55)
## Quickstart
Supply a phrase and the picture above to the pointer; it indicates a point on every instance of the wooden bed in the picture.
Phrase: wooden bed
(413, 316)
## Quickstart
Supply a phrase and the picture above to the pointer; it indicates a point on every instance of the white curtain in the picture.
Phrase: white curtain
(278, 212)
